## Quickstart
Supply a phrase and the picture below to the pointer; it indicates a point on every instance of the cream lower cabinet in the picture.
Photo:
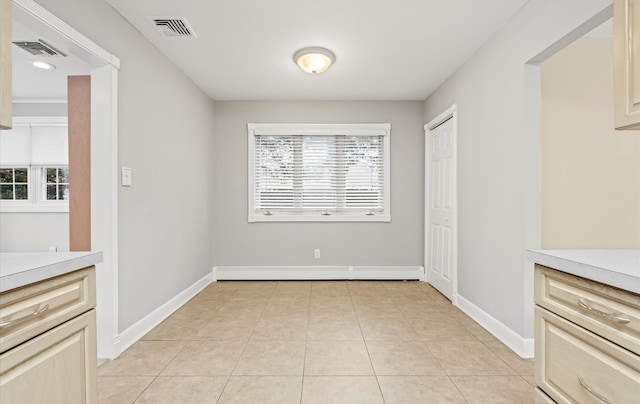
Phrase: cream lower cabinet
(586, 341)
(57, 364)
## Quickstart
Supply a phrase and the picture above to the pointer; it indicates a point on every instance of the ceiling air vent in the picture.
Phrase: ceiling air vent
(39, 48)
(173, 26)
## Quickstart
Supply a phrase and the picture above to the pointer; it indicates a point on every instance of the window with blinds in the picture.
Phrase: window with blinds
(319, 172)
(34, 165)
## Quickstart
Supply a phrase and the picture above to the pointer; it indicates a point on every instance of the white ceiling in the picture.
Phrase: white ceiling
(30, 83)
(385, 50)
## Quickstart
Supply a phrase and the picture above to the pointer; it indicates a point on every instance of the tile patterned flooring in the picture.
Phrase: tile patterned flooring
(317, 342)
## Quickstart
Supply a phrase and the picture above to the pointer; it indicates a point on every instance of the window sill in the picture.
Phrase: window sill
(32, 208)
(318, 218)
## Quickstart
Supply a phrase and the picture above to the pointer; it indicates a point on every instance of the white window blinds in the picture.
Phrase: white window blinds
(15, 146)
(36, 144)
(49, 145)
(319, 172)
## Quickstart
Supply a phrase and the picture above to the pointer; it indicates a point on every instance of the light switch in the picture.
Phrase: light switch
(126, 176)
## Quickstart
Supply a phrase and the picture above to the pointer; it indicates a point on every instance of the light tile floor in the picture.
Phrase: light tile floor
(317, 342)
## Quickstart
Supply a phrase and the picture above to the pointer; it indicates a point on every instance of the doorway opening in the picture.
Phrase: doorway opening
(533, 125)
(104, 190)
(590, 171)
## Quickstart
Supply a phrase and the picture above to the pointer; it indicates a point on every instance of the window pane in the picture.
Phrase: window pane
(318, 172)
(364, 177)
(52, 176)
(274, 172)
(21, 175)
(51, 192)
(63, 193)
(6, 175)
(22, 192)
(15, 184)
(6, 192)
(63, 175)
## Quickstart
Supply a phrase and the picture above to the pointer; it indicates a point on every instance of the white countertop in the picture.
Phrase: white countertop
(21, 269)
(619, 268)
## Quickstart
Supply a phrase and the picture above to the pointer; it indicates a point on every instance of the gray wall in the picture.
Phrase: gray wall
(237, 242)
(165, 134)
(496, 186)
(23, 232)
(39, 109)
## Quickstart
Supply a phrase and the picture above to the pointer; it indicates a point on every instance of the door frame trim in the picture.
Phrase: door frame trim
(449, 113)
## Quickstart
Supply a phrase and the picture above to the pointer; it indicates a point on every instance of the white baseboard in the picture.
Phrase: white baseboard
(228, 273)
(521, 346)
(132, 334)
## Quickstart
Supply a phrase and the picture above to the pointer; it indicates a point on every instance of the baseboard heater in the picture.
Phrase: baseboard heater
(227, 273)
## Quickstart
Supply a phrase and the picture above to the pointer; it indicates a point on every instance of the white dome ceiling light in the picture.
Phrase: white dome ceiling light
(314, 60)
(43, 65)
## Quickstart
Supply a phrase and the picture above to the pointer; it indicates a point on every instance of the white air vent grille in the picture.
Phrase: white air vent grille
(173, 26)
(39, 48)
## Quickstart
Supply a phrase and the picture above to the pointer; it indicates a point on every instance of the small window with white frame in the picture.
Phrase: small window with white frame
(14, 184)
(55, 184)
(319, 172)
(34, 172)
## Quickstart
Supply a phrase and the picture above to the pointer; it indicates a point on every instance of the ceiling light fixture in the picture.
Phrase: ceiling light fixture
(43, 65)
(314, 60)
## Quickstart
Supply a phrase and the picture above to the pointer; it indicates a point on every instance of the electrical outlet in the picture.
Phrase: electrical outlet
(316, 253)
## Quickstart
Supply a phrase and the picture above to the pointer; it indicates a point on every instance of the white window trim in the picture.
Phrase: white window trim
(372, 129)
(41, 120)
(35, 203)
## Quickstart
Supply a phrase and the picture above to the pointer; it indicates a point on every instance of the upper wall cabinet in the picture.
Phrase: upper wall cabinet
(5, 64)
(626, 21)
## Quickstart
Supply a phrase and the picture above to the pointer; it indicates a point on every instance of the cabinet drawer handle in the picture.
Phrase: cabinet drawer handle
(611, 316)
(36, 312)
(593, 392)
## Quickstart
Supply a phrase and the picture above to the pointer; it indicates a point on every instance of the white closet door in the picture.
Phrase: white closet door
(440, 248)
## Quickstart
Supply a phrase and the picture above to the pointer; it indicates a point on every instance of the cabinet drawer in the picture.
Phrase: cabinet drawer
(29, 311)
(609, 312)
(58, 366)
(576, 366)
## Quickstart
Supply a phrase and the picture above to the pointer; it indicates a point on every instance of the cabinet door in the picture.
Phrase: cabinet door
(574, 365)
(58, 366)
(626, 19)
